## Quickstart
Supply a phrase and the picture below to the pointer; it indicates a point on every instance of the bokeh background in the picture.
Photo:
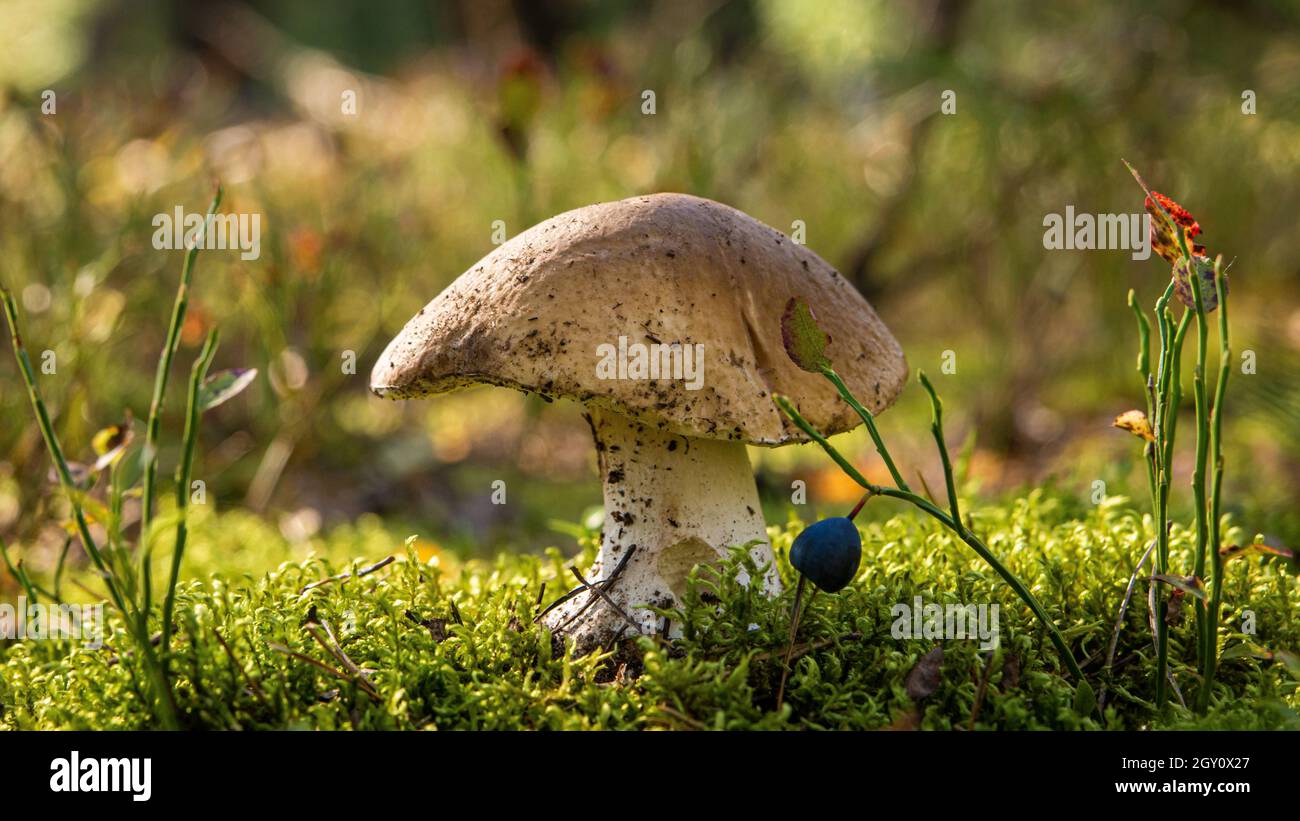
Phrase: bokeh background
(475, 111)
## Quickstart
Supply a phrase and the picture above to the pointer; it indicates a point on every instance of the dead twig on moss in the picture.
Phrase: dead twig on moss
(604, 584)
(365, 571)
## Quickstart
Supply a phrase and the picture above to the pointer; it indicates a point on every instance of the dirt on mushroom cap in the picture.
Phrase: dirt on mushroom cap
(664, 269)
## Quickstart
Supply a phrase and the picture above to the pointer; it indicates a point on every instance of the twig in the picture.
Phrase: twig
(332, 647)
(600, 592)
(801, 650)
(789, 650)
(925, 486)
(253, 686)
(575, 591)
(280, 648)
(1119, 619)
(603, 584)
(979, 693)
(58, 569)
(18, 573)
(682, 717)
(365, 571)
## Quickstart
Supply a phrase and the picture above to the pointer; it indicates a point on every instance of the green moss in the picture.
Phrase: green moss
(453, 646)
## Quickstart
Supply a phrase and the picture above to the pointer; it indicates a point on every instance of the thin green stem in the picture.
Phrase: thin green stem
(149, 455)
(1010, 578)
(133, 616)
(1148, 384)
(795, 614)
(19, 574)
(1202, 445)
(198, 374)
(56, 453)
(936, 428)
(58, 569)
(845, 465)
(1175, 388)
(869, 420)
(1144, 339)
(114, 549)
(1216, 486)
(1167, 399)
(969, 538)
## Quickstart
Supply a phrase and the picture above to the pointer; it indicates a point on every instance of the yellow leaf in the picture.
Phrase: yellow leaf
(1136, 423)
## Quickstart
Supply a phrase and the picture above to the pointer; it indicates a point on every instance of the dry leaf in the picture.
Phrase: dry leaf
(1136, 423)
(924, 678)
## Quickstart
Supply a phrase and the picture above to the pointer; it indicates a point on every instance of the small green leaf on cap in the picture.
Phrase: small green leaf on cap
(805, 342)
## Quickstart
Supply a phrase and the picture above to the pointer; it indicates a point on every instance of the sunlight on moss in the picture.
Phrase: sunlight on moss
(445, 646)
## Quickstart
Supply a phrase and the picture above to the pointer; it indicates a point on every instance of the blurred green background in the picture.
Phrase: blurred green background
(475, 111)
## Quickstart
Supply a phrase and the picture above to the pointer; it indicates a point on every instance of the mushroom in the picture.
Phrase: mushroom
(660, 315)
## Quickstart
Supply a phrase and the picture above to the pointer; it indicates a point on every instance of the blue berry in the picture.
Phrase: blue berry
(828, 553)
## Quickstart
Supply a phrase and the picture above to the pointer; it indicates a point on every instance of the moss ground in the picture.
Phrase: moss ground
(450, 645)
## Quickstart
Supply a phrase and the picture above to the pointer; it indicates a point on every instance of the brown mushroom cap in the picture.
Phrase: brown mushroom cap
(666, 268)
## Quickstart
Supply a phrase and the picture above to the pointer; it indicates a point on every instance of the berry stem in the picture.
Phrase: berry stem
(869, 420)
(789, 648)
(959, 529)
(853, 514)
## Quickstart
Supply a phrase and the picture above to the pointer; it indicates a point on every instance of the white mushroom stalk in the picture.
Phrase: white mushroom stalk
(674, 502)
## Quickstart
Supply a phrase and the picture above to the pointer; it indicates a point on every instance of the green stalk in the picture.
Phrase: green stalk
(183, 471)
(1144, 341)
(867, 419)
(149, 455)
(969, 538)
(58, 569)
(845, 465)
(56, 453)
(114, 549)
(936, 428)
(1176, 387)
(1162, 454)
(1169, 397)
(1202, 444)
(1144, 368)
(1216, 486)
(137, 625)
(19, 573)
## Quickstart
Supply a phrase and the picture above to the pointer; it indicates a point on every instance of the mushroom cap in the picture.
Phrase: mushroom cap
(664, 268)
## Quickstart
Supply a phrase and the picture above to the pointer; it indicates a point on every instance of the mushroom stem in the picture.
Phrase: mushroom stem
(682, 502)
